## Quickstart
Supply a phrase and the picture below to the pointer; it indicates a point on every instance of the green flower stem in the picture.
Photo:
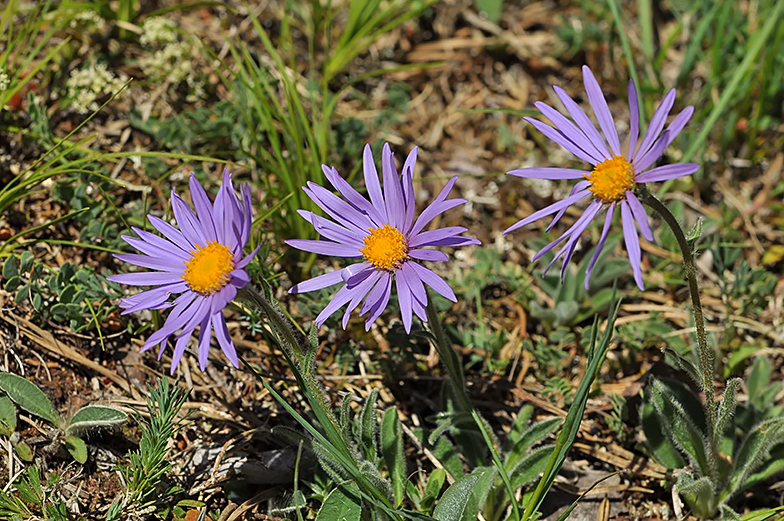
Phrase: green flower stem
(705, 353)
(454, 370)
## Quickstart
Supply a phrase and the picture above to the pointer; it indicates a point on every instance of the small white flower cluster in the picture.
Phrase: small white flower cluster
(172, 59)
(88, 19)
(85, 86)
(158, 31)
(4, 79)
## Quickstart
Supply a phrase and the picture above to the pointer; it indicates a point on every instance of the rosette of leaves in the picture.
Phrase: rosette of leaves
(67, 433)
(749, 438)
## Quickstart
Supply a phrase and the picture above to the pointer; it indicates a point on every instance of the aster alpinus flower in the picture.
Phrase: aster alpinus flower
(201, 263)
(616, 174)
(382, 232)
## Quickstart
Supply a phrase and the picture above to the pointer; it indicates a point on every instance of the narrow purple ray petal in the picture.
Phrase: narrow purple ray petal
(355, 269)
(360, 291)
(570, 130)
(179, 350)
(203, 208)
(428, 255)
(404, 299)
(432, 236)
(359, 277)
(678, 123)
(455, 242)
(601, 110)
(438, 206)
(338, 209)
(150, 244)
(639, 215)
(324, 248)
(393, 192)
(320, 282)
(152, 298)
(377, 300)
(187, 221)
(222, 298)
(246, 260)
(372, 183)
(224, 339)
(413, 281)
(634, 121)
(407, 184)
(179, 315)
(632, 244)
(600, 245)
(247, 214)
(419, 308)
(340, 299)
(334, 231)
(432, 279)
(657, 124)
(238, 278)
(544, 212)
(549, 173)
(171, 233)
(160, 262)
(560, 138)
(574, 232)
(145, 278)
(571, 244)
(643, 161)
(581, 185)
(205, 335)
(222, 208)
(353, 197)
(666, 172)
(583, 121)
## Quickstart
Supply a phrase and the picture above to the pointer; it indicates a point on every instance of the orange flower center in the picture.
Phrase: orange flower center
(385, 247)
(208, 269)
(610, 179)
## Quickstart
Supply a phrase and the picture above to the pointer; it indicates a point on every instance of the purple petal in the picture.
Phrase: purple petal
(419, 308)
(355, 269)
(455, 242)
(150, 244)
(205, 335)
(544, 212)
(247, 214)
(187, 221)
(432, 236)
(573, 233)
(656, 125)
(377, 300)
(571, 131)
(246, 260)
(372, 184)
(359, 276)
(581, 185)
(203, 208)
(160, 262)
(549, 173)
(600, 245)
(171, 233)
(338, 209)
(224, 339)
(632, 243)
(583, 121)
(666, 172)
(340, 298)
(334, 231)
(407, 184)
(634, 121)
(432, 279)
(438, 206)
(239, 278)
(353, 197)
(428, 255)
(664, 141)
(393, 192)
(639, 215)
(404, 299)
(560, 138)
(222, 298)
(320, 282)
(360, 291)
(184, 307)
(678, 123)
(413, 281)
(601, 110)
(643, 161)
(324, 248)
(146, 278)
(154, 298)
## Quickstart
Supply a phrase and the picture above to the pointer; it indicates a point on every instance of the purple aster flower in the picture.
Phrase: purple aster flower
(201, 263)
(615, 175)
(383, 233)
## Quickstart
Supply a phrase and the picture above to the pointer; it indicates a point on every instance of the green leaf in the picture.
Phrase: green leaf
(37, 302)
(23, 293)
(520, 424)
(726, 407)
(24, 451)
(659, 444)
(753, 452)
(392, 450)
(26, 261)
(535, 433)
(759, 378)
(455, 505)
(77, 448)
(94, 417)
(7, 416)
(342, 504)
(530, 467)
(491, 8)
(29, 397)
(10, 267)
(369, 426)
(12, 283)
(433, 489)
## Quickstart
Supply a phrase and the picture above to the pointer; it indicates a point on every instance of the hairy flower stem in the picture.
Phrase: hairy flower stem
(454, 370)
(706, 356)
